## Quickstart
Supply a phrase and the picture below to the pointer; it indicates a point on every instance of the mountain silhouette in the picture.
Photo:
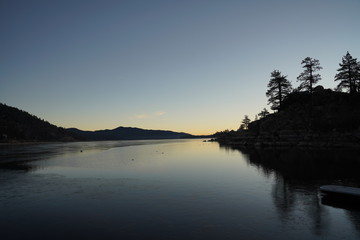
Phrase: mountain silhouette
(126, 133)
(19, 126)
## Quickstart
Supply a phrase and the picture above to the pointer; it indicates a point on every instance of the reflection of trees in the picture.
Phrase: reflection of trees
(298, 173)
(288, 196)
(354, 217)
(284, 200)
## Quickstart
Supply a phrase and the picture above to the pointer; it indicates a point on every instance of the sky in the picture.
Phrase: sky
(195, 66)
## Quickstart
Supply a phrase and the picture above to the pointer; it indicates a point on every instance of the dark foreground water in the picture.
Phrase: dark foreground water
(173, 189)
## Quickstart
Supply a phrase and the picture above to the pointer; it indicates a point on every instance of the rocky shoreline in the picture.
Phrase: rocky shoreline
(288, 138)
(323, 119)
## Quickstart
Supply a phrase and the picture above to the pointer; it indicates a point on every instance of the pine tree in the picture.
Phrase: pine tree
(263, 113)
(245, 122)
(278, 88)
(308, 77)
(357, 77)
(348, 74)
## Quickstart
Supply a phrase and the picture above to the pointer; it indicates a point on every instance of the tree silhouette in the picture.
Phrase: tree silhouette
(242, 127)
(263, 113)
(245, 123)
(278, 88)
(308, 77)
(348, 74)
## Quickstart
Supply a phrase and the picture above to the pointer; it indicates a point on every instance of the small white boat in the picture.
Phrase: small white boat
(341, 190)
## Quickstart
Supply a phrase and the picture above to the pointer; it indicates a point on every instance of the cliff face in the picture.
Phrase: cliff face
(323, 119)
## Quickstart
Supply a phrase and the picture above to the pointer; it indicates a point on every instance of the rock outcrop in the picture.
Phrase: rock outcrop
(322, 119)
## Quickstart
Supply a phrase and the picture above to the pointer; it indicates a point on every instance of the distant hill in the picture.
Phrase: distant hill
(127, 133)
(19, 126)
(322, 119)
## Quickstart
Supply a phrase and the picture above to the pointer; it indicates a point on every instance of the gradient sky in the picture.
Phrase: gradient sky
(185, 65)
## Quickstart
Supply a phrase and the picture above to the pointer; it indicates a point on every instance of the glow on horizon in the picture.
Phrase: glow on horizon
(174, 65)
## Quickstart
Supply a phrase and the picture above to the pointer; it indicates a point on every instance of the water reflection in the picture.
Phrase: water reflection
(298, 173)
(340, 166)
(20, 156)
(179, 190)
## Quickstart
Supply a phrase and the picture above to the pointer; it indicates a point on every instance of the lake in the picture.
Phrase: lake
(173, 189)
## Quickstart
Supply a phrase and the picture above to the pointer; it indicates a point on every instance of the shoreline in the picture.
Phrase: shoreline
(84, 141)
(292, 139)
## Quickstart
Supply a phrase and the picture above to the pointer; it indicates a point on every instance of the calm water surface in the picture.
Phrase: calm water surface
(173, 189)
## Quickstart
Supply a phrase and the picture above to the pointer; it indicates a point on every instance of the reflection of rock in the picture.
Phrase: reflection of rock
(323, 165)
(298, 173)
(341, 202)
(351, 207)
(290, 192)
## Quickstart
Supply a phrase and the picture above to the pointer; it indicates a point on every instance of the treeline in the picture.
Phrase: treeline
(18, 125)
(347, 76)
(280, 88)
